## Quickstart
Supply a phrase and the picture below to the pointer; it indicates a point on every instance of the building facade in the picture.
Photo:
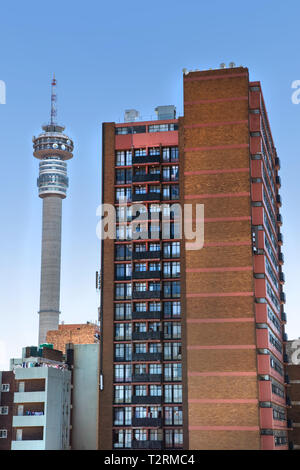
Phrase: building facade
(41, 401)
(6, 408)
(193, 335)
(82, 333)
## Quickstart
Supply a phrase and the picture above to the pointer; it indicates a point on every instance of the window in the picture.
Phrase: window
(122, 438)
(140, 327)
(140, 348)
(122, 291)
(154, 247)
(124, 176)
(155, 390)
(140, 152)
(171, 249)
(170, 154)
(172, 309)
(173, 372)
(140, 286)
(141, 307)
(123, 352)
(154, 286)
(140, 390)
(155, 369)
(122, 416)
(172, 330)
(122, 193)
(5, 388)
(140, 434)
(124, 158)
(162, 127)
(154, 307)
(3, 433)
(171, 173)
(122, 252)
(3, 410)
(123, 331)
(140, 247)
(140, 412)
(173, 416)
(173, 393)
(123, 270)
(172, 351)
(123, 311)
(171, 269)
(154, 151)
(171, 289)
(122, 394)
(122, 372)
(170, 192)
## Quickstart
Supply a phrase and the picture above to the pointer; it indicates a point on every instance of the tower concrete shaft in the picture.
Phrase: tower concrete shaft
(50, 266)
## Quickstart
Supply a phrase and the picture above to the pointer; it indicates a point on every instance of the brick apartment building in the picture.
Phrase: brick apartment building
(82, 333)
(192, 340)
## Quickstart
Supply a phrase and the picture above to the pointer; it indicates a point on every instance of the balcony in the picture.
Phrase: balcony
(278, 181)
(284, 337)
(146, 294)
(147, 378)
(147, 356)
(146, 159)
(28, 445)
(147, 444)
(122, 278)
(277, 163)
(146, 335)
(278, 200)
(146, 275)
(279, 219)
(152, 196)
(146, 400)
(280, 258)
(155, 315)
(147, 422)
(146, 178)
(280, 239)
(283, 317)
(281, 277)
(146, 254)
(282, 297)
(29, 397)
(26, 421)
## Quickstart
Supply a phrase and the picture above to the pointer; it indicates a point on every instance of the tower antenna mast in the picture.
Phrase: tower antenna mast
(53, 101)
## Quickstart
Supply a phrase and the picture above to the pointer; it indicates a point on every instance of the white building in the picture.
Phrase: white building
(42, 405)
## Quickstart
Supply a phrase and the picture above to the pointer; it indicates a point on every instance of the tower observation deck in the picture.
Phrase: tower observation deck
(52, 147)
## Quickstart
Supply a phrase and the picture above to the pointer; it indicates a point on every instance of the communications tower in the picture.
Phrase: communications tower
(52, 147)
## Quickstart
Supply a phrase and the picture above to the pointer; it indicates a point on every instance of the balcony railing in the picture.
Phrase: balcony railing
(147, 422)
(146, 254)
(147, 444)
(145, 178)
(147, 378)
(146, 159)
(151, 196)
(146, 400)
(146, 274)
(147, 356)
(145, 335)
(155, 315)
(146, 294)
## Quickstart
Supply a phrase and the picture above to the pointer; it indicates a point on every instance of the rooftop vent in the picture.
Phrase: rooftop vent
(166, 112)
(231, 65)
(131, 115)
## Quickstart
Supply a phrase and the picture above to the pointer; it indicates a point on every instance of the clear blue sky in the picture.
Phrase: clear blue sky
(109, 56)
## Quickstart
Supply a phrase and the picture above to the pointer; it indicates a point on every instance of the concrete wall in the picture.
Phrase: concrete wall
(85, 397)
